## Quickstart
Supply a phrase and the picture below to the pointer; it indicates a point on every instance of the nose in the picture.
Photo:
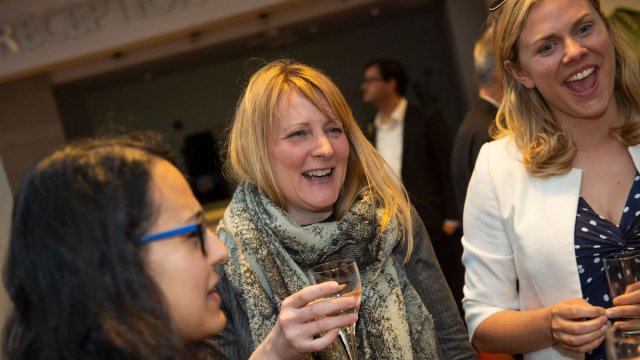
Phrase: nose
(573, 51)
(217, 252)
(323, 147)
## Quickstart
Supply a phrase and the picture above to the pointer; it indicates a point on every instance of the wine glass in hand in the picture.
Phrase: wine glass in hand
(346, 274)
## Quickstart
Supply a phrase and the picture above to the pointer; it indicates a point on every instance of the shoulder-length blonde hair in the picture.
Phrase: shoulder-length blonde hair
(256, 117)
(524, 114)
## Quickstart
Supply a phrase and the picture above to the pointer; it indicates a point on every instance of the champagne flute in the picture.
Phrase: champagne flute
(346, 274)
(622, 269)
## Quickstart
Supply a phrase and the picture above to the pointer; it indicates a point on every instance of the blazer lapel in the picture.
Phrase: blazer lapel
(548, 224)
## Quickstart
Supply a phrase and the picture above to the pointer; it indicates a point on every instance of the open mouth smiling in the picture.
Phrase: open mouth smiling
(581, 75)
(318, 174)
(583, 82)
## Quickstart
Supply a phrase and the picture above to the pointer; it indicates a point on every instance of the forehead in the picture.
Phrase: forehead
(296, 102)
(169, 188)
(372, 70)
(547, 16)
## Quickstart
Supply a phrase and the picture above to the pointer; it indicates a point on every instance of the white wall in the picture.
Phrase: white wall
(29, 125)
(6, 203)
(40, 36)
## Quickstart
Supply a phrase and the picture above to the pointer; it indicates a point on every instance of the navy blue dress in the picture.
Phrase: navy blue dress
(596, 237)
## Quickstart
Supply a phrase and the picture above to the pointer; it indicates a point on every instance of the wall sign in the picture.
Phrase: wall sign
(78, 19)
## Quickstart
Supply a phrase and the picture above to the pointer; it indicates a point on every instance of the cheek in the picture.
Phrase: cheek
(180, 278)
(342, 148)
(541, 75)
(287, 157)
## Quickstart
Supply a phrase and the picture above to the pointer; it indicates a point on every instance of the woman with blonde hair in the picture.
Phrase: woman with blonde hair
(312, 189)
(558, 190)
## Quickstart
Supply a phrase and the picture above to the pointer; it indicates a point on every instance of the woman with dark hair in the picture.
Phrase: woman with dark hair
(110, 257)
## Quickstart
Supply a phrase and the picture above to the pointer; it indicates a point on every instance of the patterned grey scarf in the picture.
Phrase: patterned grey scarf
(269, 253)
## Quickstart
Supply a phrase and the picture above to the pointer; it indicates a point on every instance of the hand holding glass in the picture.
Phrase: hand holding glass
(346, 274)
(622, 269)
(622, 345)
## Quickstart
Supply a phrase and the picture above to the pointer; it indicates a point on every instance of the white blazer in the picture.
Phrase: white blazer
(519, 227)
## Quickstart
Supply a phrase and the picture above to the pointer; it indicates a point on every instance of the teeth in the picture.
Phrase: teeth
(581, 75)
(318, 173)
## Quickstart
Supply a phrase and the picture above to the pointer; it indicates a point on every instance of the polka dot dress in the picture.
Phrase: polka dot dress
(596, 237)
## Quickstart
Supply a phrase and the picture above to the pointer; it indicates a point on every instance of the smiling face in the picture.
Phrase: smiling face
(308, 153)
(565, 52)
(184, 274)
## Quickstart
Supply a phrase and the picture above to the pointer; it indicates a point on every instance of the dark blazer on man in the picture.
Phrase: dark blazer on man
(472, 134)
(426, 172)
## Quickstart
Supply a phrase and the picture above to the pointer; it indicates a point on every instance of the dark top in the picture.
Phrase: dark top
(596, 237)
(472, 134)
(424, 274)
(426, 165)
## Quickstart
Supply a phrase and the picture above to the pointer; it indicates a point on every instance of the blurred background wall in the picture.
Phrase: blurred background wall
(5, 218)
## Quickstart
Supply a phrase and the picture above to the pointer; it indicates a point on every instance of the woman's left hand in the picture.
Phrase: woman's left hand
(626, 309)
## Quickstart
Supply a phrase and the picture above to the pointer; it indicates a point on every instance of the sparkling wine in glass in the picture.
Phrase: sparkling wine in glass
(346, 274)
(622, 269)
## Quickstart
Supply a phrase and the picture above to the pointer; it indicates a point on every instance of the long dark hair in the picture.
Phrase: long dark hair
(74, 272)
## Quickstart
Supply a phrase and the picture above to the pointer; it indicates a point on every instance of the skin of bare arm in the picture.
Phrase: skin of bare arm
(573, 324)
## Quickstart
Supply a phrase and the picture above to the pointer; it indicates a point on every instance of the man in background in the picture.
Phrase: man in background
(474, 129)
(417, 146)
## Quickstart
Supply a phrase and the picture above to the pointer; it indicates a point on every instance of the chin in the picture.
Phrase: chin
(219, 325)
(325, 205)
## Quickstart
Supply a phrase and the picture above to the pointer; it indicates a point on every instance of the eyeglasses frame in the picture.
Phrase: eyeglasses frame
(199, 228)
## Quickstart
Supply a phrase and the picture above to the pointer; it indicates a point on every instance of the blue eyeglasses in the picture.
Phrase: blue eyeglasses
(199, 229)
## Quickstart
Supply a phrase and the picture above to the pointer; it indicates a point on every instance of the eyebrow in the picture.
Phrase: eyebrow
(551, 36)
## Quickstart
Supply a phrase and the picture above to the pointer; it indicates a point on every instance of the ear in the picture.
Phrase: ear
(516, 72)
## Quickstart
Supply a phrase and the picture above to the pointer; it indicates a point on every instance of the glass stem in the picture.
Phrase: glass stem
(348, 336)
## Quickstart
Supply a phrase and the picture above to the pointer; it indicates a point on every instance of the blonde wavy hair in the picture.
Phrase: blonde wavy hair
(524, 114)
(256, 118)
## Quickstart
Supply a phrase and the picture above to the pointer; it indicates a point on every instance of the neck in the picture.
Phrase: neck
(491, 93)
(387, 105)
(592, 133)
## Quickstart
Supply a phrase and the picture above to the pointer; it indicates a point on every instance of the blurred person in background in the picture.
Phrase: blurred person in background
(474, 129)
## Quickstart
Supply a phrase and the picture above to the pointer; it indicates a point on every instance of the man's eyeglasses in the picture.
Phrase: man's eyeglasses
(496, 5)
(199, 229)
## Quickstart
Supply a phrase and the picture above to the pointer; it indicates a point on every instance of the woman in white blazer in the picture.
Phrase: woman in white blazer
(559, 189)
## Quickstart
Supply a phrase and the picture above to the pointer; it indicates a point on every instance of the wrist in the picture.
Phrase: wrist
(270, 349)
(548, 323)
